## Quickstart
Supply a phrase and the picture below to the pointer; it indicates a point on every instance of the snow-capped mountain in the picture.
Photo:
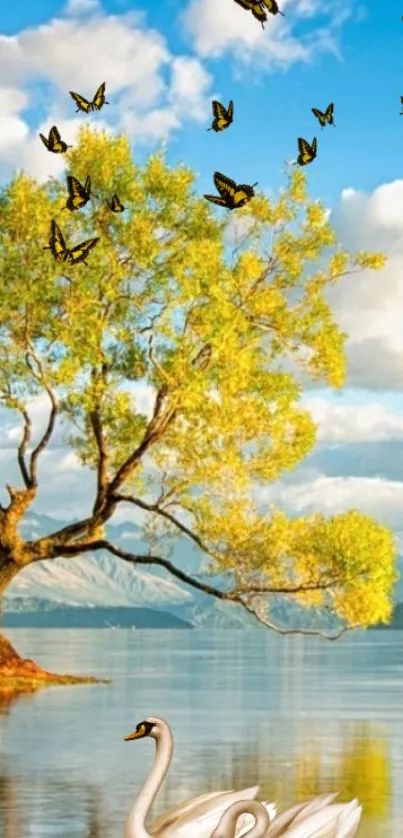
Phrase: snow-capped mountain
(101, 579)
(97, 580)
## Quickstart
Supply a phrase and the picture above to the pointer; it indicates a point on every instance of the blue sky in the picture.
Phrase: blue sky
(163, 62)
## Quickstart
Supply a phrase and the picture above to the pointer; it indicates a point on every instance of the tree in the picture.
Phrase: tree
(164, 299)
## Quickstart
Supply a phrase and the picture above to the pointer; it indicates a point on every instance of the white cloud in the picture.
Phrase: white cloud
(149, 90)
(375, 496)
(354, 423)
(369, 306)
(216, 28)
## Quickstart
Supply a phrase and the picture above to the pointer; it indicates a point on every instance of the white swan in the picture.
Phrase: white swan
(194, 818)
(318, 818)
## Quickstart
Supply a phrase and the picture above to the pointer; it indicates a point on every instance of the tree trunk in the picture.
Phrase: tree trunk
(8, 570)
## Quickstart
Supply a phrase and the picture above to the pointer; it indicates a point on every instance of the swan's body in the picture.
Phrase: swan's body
(194, 818)
(318, 818)
(228, 814)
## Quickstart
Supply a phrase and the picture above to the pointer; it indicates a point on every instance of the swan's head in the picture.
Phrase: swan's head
(150, 727)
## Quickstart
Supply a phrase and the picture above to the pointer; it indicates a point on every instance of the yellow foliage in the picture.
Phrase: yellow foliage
(164, 301)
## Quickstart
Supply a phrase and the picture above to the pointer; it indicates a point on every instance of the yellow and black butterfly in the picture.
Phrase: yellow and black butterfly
(54, 142)
(222, 117)
(56, 245)
(272, 7)
(307, 152)
(96, 104)
(61, 253)
(116, 205)
(327, 116)
(401, 101)
(79, 195)
(232, 195)
(255, 7)
(80, 251)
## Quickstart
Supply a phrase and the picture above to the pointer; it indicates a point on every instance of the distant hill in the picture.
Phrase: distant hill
(57, 617)
(99, 580)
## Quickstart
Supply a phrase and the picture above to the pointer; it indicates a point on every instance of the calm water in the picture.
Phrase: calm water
(298, 715)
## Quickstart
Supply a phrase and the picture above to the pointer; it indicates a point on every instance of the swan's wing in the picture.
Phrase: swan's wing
(316, 805)
(246, 821)
(172, 815)
(297, 812)
(321, 824)
(198, 817)
(348, 822)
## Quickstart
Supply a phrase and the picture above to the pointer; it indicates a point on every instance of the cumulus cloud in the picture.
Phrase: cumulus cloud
(369, 306)
(218, 28)
(354, 423)
(375, 496)
(150, 90)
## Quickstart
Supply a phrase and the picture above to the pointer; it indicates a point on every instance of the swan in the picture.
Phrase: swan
(318, 818)
(194, 818)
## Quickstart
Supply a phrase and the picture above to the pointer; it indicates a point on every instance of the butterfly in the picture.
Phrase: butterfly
(327, 116)
(401, 100)
(78, 195)
(272, 7)
(61, 253)
(232, 194)
(54, 142)
(222, 117)
(307, 152)
(255, 7)
(96, 104)
(116, 204)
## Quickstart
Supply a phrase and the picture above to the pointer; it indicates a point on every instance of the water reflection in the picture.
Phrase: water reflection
(298, 719)
(40, 806)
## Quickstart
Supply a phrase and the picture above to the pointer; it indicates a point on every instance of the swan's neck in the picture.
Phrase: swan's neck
(136, 822)
(227, 824)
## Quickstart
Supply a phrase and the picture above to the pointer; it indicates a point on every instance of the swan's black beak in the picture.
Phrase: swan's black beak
(142, 729)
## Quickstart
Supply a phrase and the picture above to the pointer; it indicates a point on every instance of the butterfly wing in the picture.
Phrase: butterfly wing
(46, 142)
(305, 152)
(272, 7)
(77, 195)
(56, 143)
(246, 4)
(230, 110)
(56, 244)
(115, 204)
(313, 147)
(216, 200)
(221, 118)
(224, 185)
(99, 98)
(243, 194)
(319, 115)
(80, 251)
(82, 104)
(259, 13)
(329, 113)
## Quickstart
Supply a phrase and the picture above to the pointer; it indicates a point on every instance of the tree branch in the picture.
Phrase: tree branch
(154, 431)
(72, 550)
(26, 436)
(52, 416)
(154, 507)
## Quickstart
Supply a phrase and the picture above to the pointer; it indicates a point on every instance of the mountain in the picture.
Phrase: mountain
(50, 615)
(97, 580)
(100, 580)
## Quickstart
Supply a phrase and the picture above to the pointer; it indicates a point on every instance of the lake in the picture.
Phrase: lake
(298, 715)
